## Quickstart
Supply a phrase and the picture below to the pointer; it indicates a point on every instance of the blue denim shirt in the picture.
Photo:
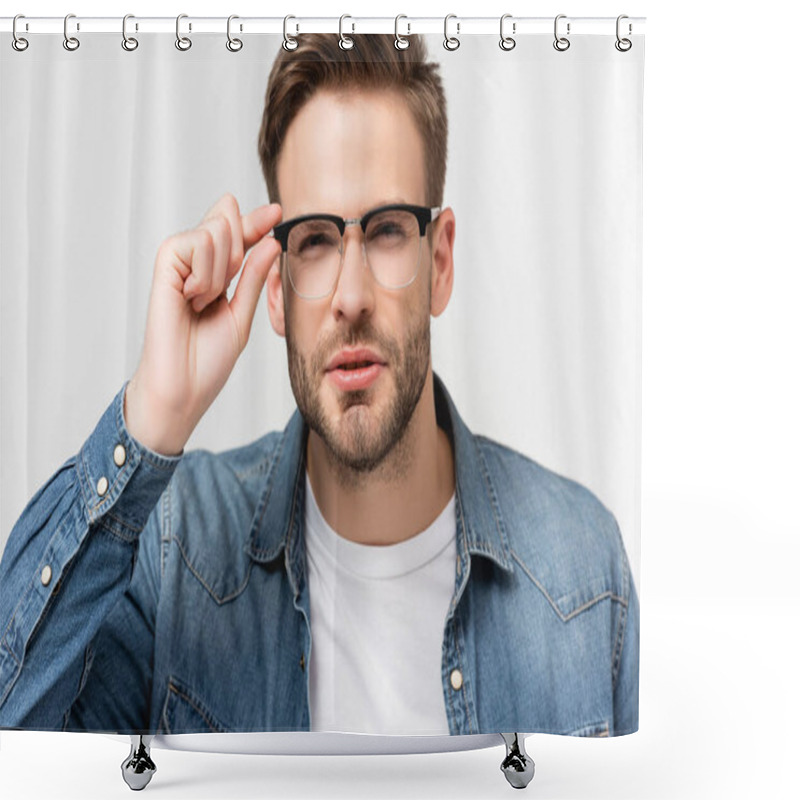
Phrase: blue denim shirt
(177, 600)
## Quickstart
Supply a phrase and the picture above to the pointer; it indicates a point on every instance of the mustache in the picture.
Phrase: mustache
(365, 335)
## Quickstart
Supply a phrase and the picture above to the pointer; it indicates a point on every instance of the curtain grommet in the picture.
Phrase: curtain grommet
(129, 43)
(451, 42)
(507, 42)
(19, 43)
(289, 42)
(561, 43)
(70, 43)
(345, 42)
(183, 43)
(400, 42)
(233, 44)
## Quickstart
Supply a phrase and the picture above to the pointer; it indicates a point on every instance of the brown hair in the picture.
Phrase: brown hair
(373, 63)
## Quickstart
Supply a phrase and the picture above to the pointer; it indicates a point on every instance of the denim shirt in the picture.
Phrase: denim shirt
(176, 601)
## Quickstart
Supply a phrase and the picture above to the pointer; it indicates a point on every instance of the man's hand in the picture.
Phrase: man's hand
(194, 334)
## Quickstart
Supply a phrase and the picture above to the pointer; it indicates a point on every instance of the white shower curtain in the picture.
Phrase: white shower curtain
(105, 153)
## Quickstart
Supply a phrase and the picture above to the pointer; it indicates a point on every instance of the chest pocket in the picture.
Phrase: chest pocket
(185, 712)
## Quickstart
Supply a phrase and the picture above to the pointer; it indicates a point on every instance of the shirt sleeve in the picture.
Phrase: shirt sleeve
(68, 561)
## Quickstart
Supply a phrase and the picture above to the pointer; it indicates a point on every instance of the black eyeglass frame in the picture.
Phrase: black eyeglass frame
(424, 215)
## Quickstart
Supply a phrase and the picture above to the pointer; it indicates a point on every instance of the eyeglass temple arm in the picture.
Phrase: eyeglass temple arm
(434, 216)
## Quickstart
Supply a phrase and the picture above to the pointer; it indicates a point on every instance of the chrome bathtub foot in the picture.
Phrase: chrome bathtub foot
(517, 766)
(138, 767)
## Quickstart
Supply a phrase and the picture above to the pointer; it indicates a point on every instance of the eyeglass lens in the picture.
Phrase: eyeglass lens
(314, 252)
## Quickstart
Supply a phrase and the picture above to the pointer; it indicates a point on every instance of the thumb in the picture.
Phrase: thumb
(251, 283)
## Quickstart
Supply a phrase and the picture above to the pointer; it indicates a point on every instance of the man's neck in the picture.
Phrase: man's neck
(399, 499)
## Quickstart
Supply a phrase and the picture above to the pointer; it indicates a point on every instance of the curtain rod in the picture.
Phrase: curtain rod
(457, 26)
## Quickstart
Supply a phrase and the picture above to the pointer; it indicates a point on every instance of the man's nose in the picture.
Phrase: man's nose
(354, 295)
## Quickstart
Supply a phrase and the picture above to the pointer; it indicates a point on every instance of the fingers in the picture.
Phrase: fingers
(246, 230)
(259, 223)
(208, 281)
(251, 283)
(227, 208)
(209, 256)
(192, 254)
(233, 235)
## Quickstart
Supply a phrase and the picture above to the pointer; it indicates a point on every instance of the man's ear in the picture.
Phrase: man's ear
(275, 297)
(444, 236)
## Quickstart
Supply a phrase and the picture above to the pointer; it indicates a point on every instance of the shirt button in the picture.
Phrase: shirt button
(102, 486)
(47, 573)
(456, 679)
(119, 455)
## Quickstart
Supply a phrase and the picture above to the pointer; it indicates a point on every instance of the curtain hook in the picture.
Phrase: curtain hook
(234, 45)
(561, 43)
(623, 45)
(129, 43)
(400, 42)
(506, 42)
(345, 42)
(181, 42)
(451, 42)
(289, 42)
(70, 42)
(18, 42)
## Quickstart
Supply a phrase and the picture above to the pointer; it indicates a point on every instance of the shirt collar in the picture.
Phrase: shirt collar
(281, 500)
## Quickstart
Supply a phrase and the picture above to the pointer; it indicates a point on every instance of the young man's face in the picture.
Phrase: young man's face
(346, 153)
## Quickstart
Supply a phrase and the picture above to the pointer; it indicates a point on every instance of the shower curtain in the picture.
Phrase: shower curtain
(493, 394)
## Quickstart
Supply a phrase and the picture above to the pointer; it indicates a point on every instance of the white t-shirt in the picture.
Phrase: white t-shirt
(377, 622)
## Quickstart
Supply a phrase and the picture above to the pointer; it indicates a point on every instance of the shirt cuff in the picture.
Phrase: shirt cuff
(121, 479)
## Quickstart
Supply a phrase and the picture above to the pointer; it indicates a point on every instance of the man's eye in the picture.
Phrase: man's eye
(317, 240)
(387, 230)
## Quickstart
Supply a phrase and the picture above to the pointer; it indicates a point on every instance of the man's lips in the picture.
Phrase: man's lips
(354, 369)
(354, 359)
(353, 379)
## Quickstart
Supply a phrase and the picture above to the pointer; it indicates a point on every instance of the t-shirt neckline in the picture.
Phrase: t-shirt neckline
(379, 561)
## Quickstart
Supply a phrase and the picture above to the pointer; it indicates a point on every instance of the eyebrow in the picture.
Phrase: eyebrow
(364, 209)
(385, 203)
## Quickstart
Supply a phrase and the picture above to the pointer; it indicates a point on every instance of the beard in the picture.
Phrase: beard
(362, 439)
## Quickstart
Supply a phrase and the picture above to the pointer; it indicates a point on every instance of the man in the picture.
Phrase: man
(448, 583)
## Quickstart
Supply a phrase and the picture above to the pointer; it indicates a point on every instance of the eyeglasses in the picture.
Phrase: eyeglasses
(314, 250)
